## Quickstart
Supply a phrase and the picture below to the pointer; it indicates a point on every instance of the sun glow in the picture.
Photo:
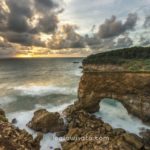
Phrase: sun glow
(45, 56)
(23, 56)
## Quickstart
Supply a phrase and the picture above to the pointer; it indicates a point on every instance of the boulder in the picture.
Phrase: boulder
(134, 140)
(2, 116)
(2, 113)
(87, 132)
(14, 121)
(146, 138)
(12, 138)
(45, 121)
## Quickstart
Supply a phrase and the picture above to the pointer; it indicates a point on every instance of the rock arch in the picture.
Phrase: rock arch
(131, 89)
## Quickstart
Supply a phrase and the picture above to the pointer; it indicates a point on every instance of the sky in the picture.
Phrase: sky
(71, 28)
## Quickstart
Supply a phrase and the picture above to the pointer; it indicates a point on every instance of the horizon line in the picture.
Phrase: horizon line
(40, 57)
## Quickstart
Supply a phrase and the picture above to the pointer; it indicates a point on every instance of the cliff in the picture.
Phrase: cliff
(123, 75)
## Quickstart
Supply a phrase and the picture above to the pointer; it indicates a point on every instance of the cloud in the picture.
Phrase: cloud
(113, 27)
(124, 42)
(35, 25)
(67, 37)
(24, 39)
(22, 21)
(20, 12)
(147, 22)
(144, 41)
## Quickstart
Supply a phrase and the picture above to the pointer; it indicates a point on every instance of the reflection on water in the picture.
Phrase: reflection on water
(27, 82)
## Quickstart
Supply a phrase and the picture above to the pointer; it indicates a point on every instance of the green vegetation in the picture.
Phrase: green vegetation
(131, 59)
(119, 56)
(137, 65)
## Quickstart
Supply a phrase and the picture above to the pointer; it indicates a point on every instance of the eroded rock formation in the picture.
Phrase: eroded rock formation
(45, 121)
(12, 138)
(86, 132)
(131, 89)
(119, 75)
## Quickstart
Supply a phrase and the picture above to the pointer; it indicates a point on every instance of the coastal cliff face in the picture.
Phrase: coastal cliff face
(119, 78)
(131, 89)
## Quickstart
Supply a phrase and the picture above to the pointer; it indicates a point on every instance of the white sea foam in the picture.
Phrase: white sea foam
(78, 72)
(44, 90)
(118, 117)
(6, 100)
(49, 141)
(52, 108)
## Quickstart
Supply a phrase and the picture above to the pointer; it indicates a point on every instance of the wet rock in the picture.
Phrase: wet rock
(2, 113)
(12, 138)
(3, 119)
(146, 138)
(76, 62)
(2, 116)
(118, 131)
(86, 132)
(133, 140)
(14, 121)
(38, 138)
(61, 133)
(45, 121)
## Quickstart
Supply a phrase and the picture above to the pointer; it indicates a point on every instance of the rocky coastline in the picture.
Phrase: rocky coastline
(13, 138)
(82, 130)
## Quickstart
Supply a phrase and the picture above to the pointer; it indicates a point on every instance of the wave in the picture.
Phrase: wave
(114, 113)
(52, 108)
(6, 100)
(45, 90)
(23, 117)
(78, 73)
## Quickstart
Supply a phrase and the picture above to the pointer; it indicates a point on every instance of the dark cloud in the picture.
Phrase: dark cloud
(20, 12)
(24, 39)
(47, 24)
(113, 27)
(24, 22)
(47, 3)
(67, 38)
(25, 19)
(124, 42)
(144, 41)
(147, 22)
(104, 38)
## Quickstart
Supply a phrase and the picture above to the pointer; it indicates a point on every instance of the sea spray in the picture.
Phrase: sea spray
(114, 113)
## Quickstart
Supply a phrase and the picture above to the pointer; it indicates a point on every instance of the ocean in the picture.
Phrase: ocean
(51, 83)
(26, 84)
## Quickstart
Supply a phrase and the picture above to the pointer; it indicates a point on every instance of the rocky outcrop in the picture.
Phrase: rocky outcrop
(146, 137)
(123, 75)
(45, 121)
(12, 138)
(86, 132)
(131, 89)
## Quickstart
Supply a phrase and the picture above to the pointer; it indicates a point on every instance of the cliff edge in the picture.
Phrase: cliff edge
(123, 75)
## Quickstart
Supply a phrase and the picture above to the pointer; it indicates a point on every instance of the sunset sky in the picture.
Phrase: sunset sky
(71, 28)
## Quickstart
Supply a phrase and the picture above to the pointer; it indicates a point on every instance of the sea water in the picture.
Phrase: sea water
(27, 85)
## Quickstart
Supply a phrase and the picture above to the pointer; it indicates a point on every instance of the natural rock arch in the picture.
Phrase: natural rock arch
(131, 89)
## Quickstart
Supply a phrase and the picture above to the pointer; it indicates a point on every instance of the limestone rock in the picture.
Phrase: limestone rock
(2, 116)
(12, 138)
(86, 132)
(45, 121)
(133, 140)
(2, 113)
(132, 90)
